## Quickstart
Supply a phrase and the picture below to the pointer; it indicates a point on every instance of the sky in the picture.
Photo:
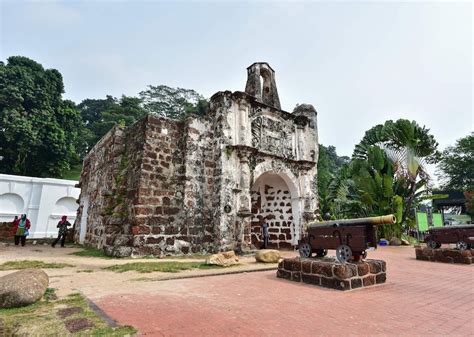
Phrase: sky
(358, 63)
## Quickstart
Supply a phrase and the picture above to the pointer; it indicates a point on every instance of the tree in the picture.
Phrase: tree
(409, 146)
(329, 164)
(100, 115)
(377, 188)
(174, 103)
(457, 165)
(38, 129)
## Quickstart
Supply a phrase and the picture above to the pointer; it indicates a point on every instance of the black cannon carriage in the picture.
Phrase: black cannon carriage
(462, 236)
(349, 237)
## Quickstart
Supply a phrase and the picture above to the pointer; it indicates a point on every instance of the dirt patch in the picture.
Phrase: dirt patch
(77, 324)
(92, 280)
(63, 313)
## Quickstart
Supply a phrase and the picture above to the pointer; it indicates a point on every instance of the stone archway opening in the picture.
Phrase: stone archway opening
(272, 200)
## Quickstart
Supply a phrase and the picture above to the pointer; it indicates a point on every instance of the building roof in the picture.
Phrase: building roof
(455, 198)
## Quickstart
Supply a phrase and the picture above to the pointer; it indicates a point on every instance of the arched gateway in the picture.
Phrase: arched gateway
(201, 185)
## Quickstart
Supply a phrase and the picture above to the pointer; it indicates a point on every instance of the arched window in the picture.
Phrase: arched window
(65, 206)
(11, 203)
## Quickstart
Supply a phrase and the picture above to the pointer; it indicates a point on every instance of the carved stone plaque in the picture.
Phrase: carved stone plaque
(272, 136)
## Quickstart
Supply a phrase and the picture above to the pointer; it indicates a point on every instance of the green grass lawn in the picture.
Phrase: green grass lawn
(53, 317)
(92, 252)
(24, 264)
(165, 266)
(74, 173)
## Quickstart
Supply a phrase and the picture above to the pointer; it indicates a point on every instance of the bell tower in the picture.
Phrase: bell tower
(261, 84)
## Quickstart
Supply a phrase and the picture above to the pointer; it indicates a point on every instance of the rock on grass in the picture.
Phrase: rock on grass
(22, 288)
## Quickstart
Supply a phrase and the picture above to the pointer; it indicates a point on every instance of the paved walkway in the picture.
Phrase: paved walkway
(419, 299)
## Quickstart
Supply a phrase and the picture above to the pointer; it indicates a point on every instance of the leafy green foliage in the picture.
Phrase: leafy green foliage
(408, 146)
(45, 136)
(100, 115)
(329, 164)
(386, 175)
(39, 131)
(174, 103)
(457, 165)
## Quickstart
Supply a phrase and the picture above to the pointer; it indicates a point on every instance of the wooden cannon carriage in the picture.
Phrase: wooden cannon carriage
(349, 237)
(462, 236)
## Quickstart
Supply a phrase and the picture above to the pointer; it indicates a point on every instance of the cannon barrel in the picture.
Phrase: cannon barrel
(375, 220)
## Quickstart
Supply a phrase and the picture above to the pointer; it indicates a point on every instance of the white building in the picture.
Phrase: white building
(44, 200)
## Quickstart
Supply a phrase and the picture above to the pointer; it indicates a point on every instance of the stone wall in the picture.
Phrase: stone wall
(331, 274)
(152, 189)
(445, 255)
(97, 183)
(271, 200)
(166, 187)
(6, 229)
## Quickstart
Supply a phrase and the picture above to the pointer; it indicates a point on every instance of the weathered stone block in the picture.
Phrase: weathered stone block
(374, 266)
(447, 255)
(292, 264)
(311, 279)
(344, 271)
(380, 278)
(356, 283)
(332, 274)
(322, 268)
(153, 240)
(368, 280)
(306, 266)
(329, 282)
(296, 276)
(362, 268)
(144, 230)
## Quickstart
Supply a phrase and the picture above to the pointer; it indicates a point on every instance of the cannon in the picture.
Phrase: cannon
(462, 236)
(349, 237)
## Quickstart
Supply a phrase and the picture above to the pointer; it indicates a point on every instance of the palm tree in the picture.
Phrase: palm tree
(409, 147)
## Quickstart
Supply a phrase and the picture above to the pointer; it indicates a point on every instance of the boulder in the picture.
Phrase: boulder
(223, 259)
(395, 242)
(267, 256)
(22, 288)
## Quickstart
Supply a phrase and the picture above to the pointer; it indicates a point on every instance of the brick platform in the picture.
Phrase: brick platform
(329, 273)
(447, 255)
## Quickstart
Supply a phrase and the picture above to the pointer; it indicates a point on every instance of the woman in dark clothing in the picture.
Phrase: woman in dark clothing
(21, 227)
(62, 225)
(265, 234)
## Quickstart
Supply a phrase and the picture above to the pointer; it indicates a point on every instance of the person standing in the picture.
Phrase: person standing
(63, 224)
(265, 234)
(21, 227)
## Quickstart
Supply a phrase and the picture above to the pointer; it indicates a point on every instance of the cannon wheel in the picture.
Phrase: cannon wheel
(461, 245)
(343, 253)
(433, 244)
(321, 252)
(305, 250)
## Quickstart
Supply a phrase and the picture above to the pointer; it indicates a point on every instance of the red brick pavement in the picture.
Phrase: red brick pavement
(419, 299)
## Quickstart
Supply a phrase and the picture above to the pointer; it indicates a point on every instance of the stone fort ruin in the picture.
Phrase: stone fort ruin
(164, 187)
